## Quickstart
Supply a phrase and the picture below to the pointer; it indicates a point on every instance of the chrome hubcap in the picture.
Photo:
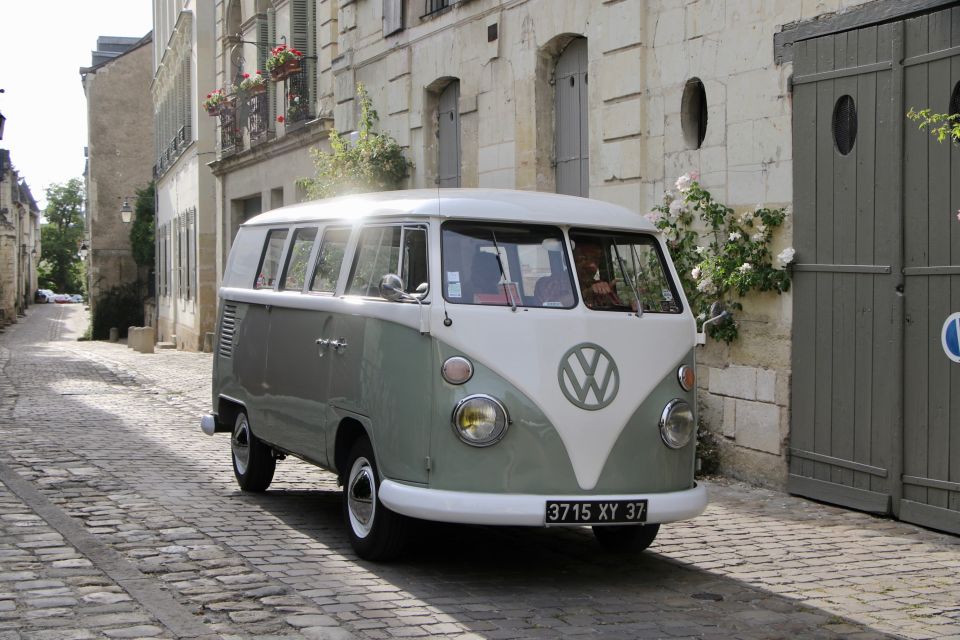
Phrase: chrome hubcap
(240, 444)
(361, 497)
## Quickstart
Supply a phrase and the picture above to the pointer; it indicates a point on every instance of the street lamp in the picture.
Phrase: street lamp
(126, 211)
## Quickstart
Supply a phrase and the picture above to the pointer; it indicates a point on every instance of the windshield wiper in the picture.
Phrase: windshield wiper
(503, 274)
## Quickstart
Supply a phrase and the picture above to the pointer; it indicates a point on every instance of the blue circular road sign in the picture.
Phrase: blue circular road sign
(950, 337)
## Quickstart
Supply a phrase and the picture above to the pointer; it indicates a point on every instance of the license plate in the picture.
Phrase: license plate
(595, 511)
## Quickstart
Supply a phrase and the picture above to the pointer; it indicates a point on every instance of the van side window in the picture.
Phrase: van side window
(295, 273)
(390, 249)
(329, 260)
(270, 260)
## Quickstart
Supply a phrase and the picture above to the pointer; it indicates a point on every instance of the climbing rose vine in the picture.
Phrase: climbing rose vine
(731, 259)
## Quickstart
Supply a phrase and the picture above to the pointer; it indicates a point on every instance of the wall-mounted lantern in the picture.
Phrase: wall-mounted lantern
(84, 250)
(126, 211)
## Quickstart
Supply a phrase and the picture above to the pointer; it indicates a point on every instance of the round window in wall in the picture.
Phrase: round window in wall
(845, 124)
(955, 100)
(693, 113)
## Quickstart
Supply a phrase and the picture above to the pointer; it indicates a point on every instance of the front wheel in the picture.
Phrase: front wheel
(626, 538)
(376, 533)
(253, 461)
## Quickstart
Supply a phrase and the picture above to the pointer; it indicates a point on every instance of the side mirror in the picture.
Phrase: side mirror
(391, 287)
(717, 310)
(717, 313)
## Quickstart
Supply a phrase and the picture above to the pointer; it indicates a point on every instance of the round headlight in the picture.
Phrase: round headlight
(687, 377)
(676, 424)
(480, 420)
(457, 370)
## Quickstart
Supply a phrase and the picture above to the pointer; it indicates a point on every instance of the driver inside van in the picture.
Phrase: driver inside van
(597, 292)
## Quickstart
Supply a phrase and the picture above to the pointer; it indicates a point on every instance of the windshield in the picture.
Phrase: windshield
(506, 265)
(622, 272)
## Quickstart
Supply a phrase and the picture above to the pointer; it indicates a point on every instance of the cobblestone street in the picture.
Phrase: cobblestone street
(119, 518)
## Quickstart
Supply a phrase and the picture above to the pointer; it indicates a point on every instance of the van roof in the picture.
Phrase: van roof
(475, 204)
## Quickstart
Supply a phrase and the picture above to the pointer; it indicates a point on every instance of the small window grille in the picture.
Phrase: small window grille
(845, 124)
(434, 6)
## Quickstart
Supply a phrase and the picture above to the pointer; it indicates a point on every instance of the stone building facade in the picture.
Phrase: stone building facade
(119, 156)
(265, 139)
(614, 99)
(184, 53)
(19, 242)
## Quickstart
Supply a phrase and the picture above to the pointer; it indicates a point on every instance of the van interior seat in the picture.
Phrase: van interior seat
(485, 279)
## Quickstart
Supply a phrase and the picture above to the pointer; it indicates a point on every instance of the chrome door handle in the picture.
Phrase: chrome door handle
(323, 342)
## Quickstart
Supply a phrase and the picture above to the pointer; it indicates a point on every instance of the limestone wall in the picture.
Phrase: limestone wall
(121, 151)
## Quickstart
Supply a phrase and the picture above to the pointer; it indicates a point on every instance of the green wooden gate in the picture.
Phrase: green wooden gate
(875, 400)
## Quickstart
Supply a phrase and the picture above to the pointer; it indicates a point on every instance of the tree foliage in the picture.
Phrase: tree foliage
(941, 126)
(142, 231)
(373, 162)
(60, 267)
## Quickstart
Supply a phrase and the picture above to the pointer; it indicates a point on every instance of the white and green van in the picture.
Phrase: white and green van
(466, 355)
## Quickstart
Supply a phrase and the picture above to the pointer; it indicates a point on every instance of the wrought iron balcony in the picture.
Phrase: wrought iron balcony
(231, 138)
(298, 102)
(257, 116)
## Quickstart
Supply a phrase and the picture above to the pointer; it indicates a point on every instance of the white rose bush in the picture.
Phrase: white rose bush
(732, 260)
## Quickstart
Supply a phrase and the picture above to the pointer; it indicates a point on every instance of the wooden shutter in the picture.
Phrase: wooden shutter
(270, 41)
(392, 16)
(448, 132)
(188, 98)
(572, 140)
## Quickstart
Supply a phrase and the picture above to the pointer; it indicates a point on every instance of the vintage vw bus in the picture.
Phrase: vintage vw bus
(473, 356)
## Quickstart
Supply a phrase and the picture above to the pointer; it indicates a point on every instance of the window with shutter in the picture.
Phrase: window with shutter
(392, 16)
(301, 87)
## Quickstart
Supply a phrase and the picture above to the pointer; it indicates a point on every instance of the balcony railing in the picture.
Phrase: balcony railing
(297, 102)
(248, 119)
(258, 116)
(230, 135)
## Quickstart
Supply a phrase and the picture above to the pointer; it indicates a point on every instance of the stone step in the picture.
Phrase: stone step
(166, 345)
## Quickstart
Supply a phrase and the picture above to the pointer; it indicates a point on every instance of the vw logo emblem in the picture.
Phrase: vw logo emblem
(588, 376)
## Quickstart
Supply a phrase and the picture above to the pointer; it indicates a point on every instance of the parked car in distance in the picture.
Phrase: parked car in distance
(77, 298)
(44, 295)
(62, 298)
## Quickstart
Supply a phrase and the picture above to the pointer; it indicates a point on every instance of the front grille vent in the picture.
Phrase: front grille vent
(228, 324)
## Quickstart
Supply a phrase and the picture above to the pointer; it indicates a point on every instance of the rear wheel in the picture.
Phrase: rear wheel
(253, 461)
(626, 538)
(376, 533)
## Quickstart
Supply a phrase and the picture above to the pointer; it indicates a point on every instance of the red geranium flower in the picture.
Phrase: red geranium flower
(280, 118)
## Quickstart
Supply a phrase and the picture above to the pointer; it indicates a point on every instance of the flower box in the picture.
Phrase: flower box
(283, 62)
(214, 102)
